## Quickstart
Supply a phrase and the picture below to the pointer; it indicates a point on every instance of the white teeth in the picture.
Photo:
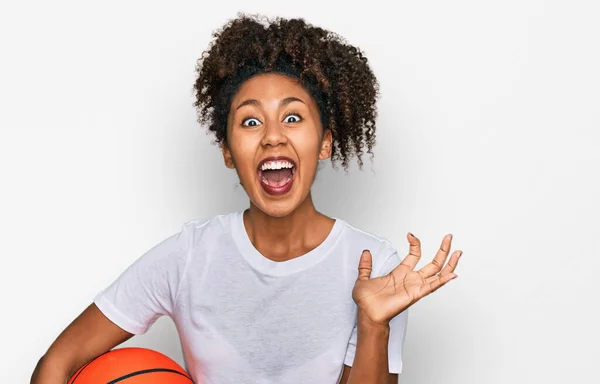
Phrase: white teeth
(276, 165)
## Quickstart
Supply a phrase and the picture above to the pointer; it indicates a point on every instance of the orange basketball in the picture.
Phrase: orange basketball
(131, 366)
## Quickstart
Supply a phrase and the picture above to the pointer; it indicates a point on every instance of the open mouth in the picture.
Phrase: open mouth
(275, 174)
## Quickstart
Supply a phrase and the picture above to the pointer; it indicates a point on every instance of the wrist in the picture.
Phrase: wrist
(367, 326)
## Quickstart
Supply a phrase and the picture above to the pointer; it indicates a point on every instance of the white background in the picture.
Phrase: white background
(489, 129)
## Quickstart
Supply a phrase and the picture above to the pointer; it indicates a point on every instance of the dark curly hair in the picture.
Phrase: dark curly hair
(333, 72)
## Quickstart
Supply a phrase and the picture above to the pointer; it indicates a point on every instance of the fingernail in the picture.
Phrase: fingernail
(410, 234)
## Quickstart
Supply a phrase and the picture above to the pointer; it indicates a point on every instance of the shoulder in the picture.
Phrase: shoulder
(173, 253)
(357, 239)
(206, 231)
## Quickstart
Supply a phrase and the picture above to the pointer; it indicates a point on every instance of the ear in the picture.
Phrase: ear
(227, 158)
(326, 143)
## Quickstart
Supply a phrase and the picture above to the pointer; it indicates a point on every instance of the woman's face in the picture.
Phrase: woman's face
(274, 142)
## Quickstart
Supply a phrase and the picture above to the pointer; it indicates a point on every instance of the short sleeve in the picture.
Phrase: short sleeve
(383, 266)
(148, 288)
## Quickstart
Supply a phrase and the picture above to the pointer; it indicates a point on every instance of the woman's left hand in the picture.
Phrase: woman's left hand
(381, 299)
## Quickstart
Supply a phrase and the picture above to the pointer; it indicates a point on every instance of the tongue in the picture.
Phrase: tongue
(276, 177)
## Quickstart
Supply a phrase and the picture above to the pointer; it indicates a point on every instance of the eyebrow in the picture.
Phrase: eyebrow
(283, 102)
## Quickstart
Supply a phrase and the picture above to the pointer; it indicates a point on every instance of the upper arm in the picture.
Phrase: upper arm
(149, 287)
(128, 306)
(392, 379)
(88, 336)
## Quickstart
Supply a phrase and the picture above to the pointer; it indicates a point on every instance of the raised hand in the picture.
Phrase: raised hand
(381, 299)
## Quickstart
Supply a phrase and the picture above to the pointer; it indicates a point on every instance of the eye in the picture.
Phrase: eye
(251, 122)
(292, 118)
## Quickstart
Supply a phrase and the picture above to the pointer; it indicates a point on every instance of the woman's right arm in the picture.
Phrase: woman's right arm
(145, 291)
(88, 336)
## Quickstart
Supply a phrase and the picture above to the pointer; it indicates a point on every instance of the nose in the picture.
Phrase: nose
(273, 133)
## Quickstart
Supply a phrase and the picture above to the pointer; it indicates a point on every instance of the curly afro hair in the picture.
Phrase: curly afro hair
(333, 72)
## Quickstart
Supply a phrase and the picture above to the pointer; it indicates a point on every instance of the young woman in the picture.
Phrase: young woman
(279, 292)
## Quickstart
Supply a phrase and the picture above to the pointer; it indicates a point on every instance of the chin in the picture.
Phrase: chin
(278, 207)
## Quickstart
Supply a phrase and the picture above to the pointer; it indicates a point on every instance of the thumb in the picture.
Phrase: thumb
(365, 265)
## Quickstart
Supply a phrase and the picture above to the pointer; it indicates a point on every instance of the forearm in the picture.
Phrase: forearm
(371, 359)
(49, 372)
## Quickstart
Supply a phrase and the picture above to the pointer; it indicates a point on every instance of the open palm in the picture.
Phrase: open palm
(382, 298)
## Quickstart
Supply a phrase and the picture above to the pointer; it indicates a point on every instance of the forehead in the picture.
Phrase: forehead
(270, 86)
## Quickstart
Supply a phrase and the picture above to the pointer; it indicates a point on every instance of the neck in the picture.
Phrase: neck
(284, 238)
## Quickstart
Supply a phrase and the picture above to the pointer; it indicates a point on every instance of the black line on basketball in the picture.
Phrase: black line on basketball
(137, 373)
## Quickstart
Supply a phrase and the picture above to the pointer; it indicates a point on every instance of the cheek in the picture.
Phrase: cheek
(243, 152)
(241, 144)
(308, 150)
(306, 142)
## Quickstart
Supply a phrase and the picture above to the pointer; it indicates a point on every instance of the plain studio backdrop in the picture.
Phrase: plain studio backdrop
(488, 129)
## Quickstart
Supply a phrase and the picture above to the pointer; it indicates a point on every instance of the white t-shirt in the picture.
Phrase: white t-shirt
(243, 318)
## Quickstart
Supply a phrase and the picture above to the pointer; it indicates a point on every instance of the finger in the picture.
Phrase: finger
(451, 266)
(439, 260)
(365, 265)
(435, 283)
(448, 269)
(414, 252)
